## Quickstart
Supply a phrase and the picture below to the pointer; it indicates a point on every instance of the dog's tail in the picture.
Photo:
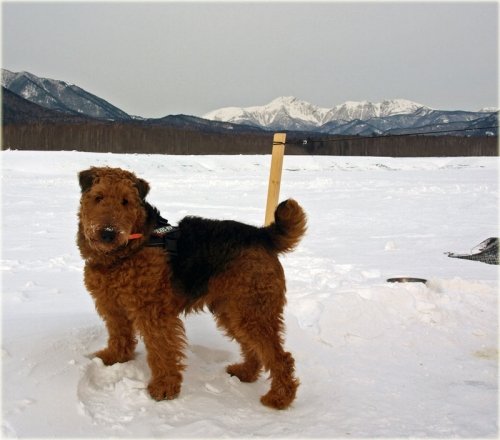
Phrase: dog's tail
(290, 224)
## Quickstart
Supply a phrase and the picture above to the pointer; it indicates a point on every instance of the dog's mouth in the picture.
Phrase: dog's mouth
(107, 239)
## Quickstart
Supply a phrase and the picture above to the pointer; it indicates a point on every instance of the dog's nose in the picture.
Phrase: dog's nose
(108, 234)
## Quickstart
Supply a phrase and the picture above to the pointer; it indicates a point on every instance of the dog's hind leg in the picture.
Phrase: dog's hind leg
(252, 313)
(249, 369)
(262, 345)
(268, 344)
(284, 384)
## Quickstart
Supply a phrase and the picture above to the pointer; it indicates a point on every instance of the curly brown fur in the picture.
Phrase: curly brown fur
(229, 267)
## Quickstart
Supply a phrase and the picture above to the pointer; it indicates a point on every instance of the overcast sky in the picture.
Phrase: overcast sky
(159, 58)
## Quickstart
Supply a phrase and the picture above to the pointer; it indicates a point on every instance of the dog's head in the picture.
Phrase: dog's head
(112, 207)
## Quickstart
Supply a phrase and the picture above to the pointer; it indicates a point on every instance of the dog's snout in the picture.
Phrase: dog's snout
(108, 234)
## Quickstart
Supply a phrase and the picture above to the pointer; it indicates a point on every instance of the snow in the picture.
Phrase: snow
(375, 359)
(488, 110)
(7, 77)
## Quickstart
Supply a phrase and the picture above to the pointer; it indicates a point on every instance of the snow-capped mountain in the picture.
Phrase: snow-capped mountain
(365, 110)
(422, 120)
(353, 118)
(488, 110)
(282, 112)
(291, 113)
(59, 95)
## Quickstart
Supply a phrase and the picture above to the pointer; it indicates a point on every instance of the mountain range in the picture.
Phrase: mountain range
(396, 116)
(291, 112)
(69, 102)
(60, 96)
(27, 98)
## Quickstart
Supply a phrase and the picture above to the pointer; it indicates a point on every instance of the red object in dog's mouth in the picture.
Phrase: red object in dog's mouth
(134, 236)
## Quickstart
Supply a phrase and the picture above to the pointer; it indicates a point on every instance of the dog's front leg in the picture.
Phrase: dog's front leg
(164, 338)
(122, 340)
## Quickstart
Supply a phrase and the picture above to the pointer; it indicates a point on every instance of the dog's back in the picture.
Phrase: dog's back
(205, 247)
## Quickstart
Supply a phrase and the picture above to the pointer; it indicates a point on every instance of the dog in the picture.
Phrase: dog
(229, 267)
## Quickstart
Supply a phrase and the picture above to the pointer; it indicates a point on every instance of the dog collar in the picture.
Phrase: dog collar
(164, 235)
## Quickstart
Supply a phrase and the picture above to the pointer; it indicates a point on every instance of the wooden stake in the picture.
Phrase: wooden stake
(273, 191)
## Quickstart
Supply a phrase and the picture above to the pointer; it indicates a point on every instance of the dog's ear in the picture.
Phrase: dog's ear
(142, 187)
(86, 179)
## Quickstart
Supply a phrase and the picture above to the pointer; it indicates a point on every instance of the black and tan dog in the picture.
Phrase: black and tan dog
(229, 267)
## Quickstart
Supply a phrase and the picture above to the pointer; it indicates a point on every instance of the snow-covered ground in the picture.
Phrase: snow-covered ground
(375, 359)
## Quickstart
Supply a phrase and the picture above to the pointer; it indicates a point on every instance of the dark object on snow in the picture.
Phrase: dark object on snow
(406, 280)
(486, 252)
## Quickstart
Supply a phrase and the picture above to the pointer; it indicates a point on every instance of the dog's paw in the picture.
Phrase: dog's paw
(110, 357)
(243, 372)
(164, 388)
(277, 401)
(281, 396)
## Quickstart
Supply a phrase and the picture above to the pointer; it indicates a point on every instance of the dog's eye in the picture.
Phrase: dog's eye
(98, 198)
(124, 202)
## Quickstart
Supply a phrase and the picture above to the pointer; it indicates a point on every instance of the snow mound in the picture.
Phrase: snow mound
(114, 394)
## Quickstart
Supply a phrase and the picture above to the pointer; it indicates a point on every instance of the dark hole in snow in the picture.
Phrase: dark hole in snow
(406, 280)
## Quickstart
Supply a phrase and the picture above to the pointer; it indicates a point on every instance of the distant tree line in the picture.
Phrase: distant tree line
(116, 137)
